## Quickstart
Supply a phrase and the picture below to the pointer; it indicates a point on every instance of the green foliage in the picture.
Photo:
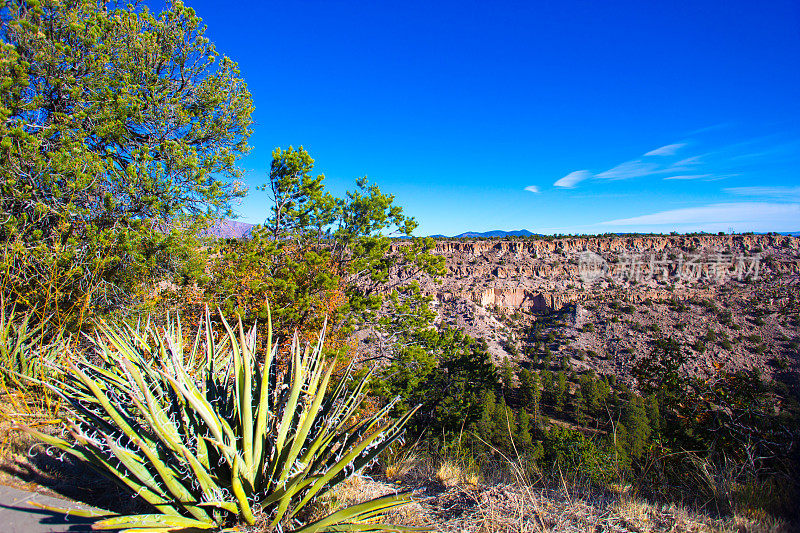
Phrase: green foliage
(497, 425)
(318, 255)
(530, 391)
(523, 438)
(507, 375)
(571, 451)
(731, 415)
(579, 408)
(637, 425)
(547, 385)
(27, 354)
(211, 437)
(446, 372)
(119, 128)
(653, 413)
(560, 391)
(662, 372)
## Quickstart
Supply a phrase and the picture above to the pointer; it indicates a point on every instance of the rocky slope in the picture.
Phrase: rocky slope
(599, 301)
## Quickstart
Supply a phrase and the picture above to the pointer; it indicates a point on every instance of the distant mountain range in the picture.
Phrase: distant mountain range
(493, 233)
(231, 229)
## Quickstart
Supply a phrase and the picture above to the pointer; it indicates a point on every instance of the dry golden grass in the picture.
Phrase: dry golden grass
(449, 474)
(359, 489)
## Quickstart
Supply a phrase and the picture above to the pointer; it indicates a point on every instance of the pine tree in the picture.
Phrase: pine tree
(507, 376)
(621, 446)
(535, 396)
(548, 358)
(560, 395)
(547, 386)
(579, 408)
(589, 391)
(485, 425)
(526, 387)
(524, 439)
(603, 391)
(504, 425)
(638, 426)
(654, 414)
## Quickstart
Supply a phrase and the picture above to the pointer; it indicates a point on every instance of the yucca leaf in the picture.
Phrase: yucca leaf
(263, 398)
(150, 521)
(96, 459)
(238, 492)
(307, 420)
(339, 466)
(357, 512)
(83, 513)
(228, 506)
(202, 407)
(123, 422)
(295, 373)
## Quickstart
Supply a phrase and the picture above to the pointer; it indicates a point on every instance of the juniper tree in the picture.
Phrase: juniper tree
(318, 255)
(117, 126)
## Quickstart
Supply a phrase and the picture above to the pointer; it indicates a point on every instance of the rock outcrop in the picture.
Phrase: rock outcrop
(486, 279)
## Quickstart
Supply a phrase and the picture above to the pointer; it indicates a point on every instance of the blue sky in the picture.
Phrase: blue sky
(557, 117)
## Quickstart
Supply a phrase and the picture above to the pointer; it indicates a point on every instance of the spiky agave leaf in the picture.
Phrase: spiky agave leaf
(214, 434)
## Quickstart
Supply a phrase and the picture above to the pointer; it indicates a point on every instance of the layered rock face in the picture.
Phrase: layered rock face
(539, 275)
(489, 279)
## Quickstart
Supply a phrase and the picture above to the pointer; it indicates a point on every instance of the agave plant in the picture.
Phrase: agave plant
(211, 437)
(25, 356)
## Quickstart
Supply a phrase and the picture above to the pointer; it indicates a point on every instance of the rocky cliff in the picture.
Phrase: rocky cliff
(488, 281)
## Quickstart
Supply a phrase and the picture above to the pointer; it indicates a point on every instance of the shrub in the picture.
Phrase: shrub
(780, 363)
(699, 346)
(568, 449)
(210, 438)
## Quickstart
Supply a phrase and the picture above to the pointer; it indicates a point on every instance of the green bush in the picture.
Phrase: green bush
(572, 452)
(209, 437)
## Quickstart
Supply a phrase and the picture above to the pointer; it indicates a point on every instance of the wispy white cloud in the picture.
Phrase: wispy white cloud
(689, 161)
(772, 192)
(791, 148)
(669, 149)
(751, 213)
(676, 162)
(707, 129)
(630, 169)
(573, 178)
(533, 188)
(689, 177)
